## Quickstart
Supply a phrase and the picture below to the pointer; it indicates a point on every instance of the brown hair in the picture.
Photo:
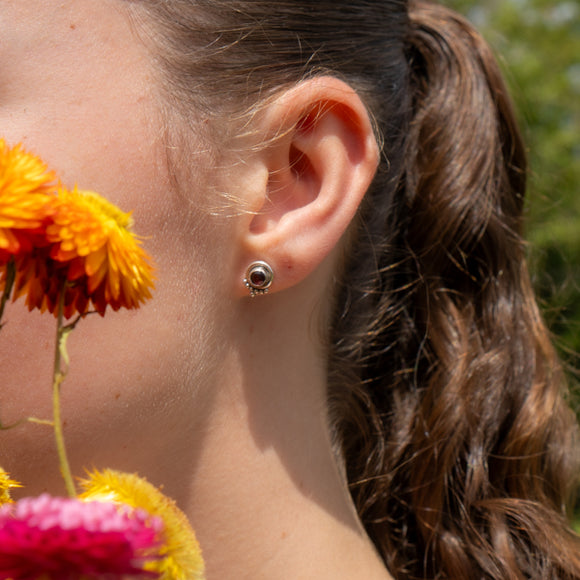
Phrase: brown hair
(447, 397)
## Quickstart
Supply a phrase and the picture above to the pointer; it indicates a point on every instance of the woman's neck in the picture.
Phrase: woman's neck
(267, 498)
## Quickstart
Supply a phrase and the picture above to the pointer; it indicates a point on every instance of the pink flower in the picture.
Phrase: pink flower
(67, 539)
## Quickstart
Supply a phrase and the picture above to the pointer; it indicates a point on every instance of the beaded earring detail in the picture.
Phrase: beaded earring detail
(258, 278)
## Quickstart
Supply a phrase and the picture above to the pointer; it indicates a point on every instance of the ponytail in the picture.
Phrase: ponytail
(449, 400)
(446, 396)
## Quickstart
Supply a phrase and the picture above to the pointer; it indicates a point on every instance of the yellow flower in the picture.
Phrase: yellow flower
(6, 484)
(93, 254)
(25, 199)
(181, 554)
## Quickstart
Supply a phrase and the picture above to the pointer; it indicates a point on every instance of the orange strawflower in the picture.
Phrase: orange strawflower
(93, 255)
(25, 200)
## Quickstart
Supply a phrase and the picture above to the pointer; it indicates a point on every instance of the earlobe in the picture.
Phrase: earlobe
(321, 157)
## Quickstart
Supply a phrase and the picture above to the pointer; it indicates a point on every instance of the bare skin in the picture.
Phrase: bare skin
(216, 396)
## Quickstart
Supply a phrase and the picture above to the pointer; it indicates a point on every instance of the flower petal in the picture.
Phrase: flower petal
(182, 558)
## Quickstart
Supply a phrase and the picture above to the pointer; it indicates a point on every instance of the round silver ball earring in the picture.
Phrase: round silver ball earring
(258, 278)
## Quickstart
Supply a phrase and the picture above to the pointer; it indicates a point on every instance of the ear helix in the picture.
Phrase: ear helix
(259, 277)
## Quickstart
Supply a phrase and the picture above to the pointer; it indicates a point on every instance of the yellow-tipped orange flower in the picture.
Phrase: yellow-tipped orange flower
(93, 238)
(93, 255)
(25, 200)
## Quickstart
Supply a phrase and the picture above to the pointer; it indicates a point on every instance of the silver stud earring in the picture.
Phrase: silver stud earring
(258, 278)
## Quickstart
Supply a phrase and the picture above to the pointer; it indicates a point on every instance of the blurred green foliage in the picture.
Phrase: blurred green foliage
(538, 45)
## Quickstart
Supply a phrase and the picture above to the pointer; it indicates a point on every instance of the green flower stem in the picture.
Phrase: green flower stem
(10, 277)
(58, 378)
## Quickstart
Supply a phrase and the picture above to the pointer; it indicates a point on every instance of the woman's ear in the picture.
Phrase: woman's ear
(320, 157)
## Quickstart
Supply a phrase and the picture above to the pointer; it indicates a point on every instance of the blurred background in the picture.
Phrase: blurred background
(538, 45)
